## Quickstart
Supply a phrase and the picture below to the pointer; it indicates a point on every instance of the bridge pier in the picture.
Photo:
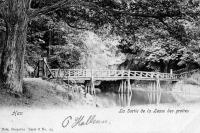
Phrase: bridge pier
(154, 94)
(125, 86)
(158, 93)
(92, 91)
(90, 87)
(157, 90)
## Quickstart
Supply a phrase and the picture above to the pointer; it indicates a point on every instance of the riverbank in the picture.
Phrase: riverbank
(40, 93)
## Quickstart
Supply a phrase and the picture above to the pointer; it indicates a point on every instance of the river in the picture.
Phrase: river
(137, 97)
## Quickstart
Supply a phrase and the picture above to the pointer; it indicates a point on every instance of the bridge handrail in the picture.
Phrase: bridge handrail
(87, 73)
(100, 73)
(108, 73)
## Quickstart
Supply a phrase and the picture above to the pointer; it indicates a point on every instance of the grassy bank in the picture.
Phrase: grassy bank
(44, 94)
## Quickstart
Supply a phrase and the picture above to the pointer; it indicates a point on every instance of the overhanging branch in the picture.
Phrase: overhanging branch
(33, 13)
(94, 6)
(59, 5)
(76, 27)
(28, 4)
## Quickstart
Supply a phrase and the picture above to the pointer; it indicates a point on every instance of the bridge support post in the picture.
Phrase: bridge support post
(158, 93)
(129, 86)
(119, 90)
(125, 86)
(129, 83)
(121, 87)
(150, 96)
(158, 89)
(154, 94)
(86, 88)
(92, 86)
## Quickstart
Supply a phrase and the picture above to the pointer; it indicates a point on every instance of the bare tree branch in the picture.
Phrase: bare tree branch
(94, 6)
(76, 27)
(59, 5)
(33, 13)
(2, 5)
(29, 4)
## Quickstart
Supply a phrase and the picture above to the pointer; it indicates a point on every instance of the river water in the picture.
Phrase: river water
(137, 97)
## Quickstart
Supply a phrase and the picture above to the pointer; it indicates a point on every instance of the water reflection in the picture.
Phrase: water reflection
(137, 97)
(154, 97)
(124, 99)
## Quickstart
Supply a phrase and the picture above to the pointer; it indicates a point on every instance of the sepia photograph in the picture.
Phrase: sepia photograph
(104, 66)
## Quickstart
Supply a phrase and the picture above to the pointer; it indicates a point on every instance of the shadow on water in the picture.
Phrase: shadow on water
(137, 97)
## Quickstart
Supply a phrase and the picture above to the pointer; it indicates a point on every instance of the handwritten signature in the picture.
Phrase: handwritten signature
(81, 121)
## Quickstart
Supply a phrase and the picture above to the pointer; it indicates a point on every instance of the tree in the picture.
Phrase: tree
(154, 41)
(16, 15)
(61, 44)
(82, 14)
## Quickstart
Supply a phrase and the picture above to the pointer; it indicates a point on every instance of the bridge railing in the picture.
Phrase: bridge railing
(105, 73)
(141, 74)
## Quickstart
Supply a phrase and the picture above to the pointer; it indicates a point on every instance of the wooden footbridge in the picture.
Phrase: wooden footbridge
(109, 75)
(92, 75)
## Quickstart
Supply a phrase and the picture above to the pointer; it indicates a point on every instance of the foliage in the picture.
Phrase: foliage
(55, 40)
(153, 33)
(164, 42)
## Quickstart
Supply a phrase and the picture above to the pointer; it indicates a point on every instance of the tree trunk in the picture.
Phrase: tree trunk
(12, 60)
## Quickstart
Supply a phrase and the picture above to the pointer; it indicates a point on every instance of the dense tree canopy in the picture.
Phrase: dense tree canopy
(166, 23)
(153, 33)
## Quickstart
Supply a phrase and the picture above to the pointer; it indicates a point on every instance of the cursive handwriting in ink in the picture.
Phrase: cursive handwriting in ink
(81, 121)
